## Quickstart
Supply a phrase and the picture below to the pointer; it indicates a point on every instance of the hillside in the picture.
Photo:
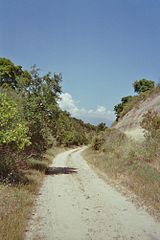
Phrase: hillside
(130, 122)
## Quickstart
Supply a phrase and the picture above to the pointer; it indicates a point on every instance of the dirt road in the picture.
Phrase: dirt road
(81, 206)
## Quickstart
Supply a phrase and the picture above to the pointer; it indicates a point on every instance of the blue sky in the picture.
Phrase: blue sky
(100, 46)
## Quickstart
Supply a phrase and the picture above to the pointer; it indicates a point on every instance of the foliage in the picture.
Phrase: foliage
(13, 75)
(119, 108)
(98, 142)
(143, 85)
(31, 120)
(71, 131)
(13, 129)
(101, 127)
(74, 138)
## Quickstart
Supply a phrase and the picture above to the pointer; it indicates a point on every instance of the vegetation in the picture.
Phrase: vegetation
(119, 108)
(136, 165)
(17, 200)
(143, 85)
(31, 122)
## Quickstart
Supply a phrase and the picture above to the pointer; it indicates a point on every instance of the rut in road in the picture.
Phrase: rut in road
(81, 206)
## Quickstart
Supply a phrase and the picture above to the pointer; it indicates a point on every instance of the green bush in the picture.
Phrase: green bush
(73, 138)
(13, 129)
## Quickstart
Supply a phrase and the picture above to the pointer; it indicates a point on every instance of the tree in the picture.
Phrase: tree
(41, 108)
(101, 126)
(119, 108)
(13, 129)
(126, 99)
(13, 76)
(143, 85)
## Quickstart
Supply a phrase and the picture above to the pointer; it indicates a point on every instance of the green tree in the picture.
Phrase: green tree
(13, 129)
(143, 85)
(119, 108)
(127, 99)
(41, 108)
(13, 75)
(101, 126)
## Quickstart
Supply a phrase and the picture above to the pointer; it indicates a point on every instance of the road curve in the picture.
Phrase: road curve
(81, 206)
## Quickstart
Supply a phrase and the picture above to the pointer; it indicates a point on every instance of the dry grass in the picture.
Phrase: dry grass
(16, 201)
(124, 161)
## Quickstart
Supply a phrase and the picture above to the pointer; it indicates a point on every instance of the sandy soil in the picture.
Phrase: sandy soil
(136, 134)
(81, 206)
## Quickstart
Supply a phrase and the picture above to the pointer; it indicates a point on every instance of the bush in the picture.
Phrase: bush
(13, 129)
(9, 170)
(151, 123)
(98, 142)
(74, 139)
(143, 85)
(8, 164)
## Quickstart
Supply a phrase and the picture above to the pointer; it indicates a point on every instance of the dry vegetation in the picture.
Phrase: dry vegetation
(134, 165)
(16, 201)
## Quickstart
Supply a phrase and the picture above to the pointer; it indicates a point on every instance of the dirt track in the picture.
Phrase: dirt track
(81, 206)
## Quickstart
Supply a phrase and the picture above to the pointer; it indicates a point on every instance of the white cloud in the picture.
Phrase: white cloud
(100, 114)
(67, 103)
(101, 109)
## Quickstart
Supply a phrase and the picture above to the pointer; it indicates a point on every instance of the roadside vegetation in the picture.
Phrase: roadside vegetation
(31, 122)
(135, 165)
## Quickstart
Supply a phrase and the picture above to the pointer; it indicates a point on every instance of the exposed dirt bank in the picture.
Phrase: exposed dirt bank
(130, 123)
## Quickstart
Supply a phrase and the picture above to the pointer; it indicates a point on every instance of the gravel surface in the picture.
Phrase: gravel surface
(81, 206)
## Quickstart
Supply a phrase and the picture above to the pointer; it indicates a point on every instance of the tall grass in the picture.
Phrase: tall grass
(16, 202)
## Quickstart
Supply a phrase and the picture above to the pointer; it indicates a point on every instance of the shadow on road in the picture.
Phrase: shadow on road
(60, 170)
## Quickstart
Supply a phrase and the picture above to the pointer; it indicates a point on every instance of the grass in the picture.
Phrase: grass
(124, 161)
(37, 164)
(16, 201)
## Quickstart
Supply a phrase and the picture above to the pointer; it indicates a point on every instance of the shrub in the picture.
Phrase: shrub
(151, 123)
(12, 127)
(98, 142)
(9, 169)
(74, 139)
(143, 85)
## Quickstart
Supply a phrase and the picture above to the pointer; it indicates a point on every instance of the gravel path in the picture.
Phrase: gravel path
(81, 206)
